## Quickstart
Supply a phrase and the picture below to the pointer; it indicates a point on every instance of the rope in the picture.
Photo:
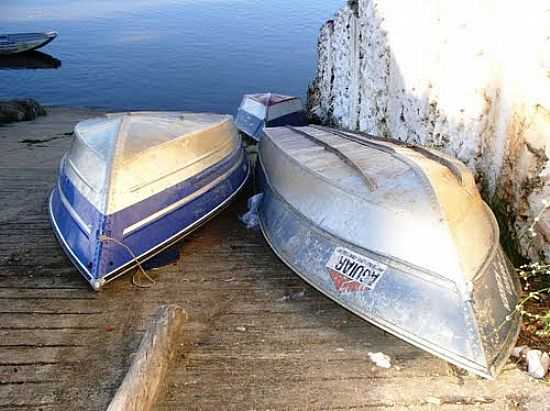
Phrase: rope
(104, 238)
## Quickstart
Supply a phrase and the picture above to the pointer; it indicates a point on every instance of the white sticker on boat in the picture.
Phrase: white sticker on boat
(356, 267)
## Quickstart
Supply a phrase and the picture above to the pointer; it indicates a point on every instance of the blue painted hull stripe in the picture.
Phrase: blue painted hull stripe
(68, 250)
(85, 228)
(249, 124)
(215, 199)
(174, 206)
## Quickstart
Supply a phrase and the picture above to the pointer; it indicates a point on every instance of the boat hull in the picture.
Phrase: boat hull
(422, 308)
(24, 42)
(252, 126)
(133, 235)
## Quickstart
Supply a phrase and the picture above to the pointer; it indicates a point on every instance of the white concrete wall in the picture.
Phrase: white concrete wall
(470, 77)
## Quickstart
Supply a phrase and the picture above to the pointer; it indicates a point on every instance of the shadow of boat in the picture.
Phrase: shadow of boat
(32, 60)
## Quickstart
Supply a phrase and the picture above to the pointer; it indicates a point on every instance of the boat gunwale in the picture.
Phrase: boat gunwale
(255, 96)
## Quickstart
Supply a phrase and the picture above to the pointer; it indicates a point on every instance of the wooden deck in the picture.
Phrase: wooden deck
(258, 337)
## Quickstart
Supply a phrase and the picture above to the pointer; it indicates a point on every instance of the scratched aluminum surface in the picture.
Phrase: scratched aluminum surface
(399, 236)
(120, 159)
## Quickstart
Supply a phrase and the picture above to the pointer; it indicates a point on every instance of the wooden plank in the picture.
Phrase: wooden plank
(79, 294)
(19, 395)
(141, 385)
(35, 373)
(49, 394)
(47, 322)
(43, 355)
(39, 337)
(71, 280)
(312, 366)
(45, 306)
(279, 393)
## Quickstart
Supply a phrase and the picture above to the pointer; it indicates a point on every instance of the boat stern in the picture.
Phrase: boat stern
(494, 298)
(74, 235)
(295, 118)
(81, 230)
(249, 124)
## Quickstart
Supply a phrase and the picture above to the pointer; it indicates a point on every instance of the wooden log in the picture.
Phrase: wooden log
(144, 379)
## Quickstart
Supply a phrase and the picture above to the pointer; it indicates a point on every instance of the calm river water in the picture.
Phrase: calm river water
(198, 55)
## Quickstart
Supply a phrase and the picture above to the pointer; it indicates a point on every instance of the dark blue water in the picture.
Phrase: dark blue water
(198, 55)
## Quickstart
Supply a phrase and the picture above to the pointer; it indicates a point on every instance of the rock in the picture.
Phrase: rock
(434, 401)
(492, 113)
(294, 296)
(380, 359)
(20, 110)
(519, 351)
(537, 403)
(537, 363)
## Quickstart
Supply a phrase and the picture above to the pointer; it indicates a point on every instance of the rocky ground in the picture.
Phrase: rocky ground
(20, 110)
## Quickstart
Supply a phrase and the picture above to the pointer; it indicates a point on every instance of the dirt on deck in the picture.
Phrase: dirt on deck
(258, 337)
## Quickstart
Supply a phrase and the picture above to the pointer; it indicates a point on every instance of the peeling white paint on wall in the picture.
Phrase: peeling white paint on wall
(469, 77)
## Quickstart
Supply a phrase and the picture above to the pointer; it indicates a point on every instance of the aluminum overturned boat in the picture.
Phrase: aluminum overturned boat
(397, 234)
(133, 184)
(22, 42)
(268, 110)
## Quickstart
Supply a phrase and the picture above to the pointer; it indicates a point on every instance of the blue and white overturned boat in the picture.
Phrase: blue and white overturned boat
(397, 234)
(133, 184)
(268, 110)
(22, 42)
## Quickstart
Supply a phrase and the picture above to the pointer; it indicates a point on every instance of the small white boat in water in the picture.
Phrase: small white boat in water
(21, 42)
(133, 184)
(397, 234)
